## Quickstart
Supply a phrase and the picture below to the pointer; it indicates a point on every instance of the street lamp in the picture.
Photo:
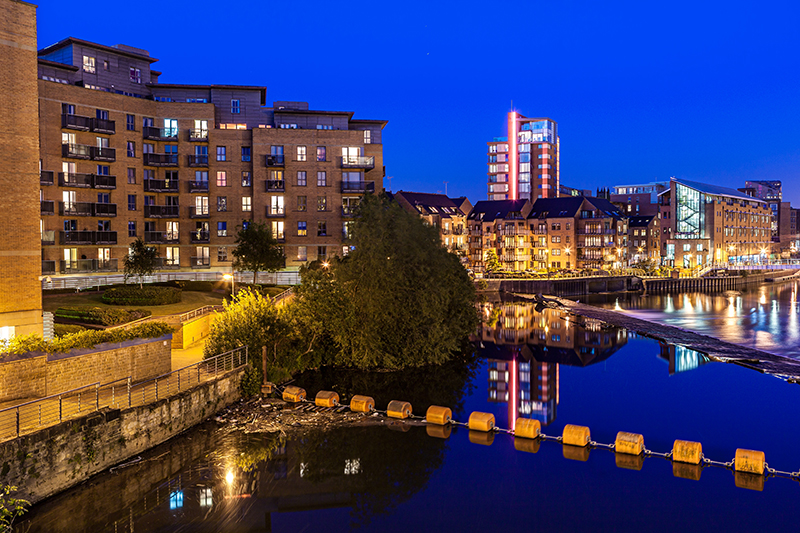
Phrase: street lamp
(229, 277)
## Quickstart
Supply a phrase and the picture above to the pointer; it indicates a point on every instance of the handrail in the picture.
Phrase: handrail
(51, 397)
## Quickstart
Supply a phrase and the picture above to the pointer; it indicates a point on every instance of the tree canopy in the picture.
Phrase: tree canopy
(141, 260)
(492, 261)
(257, 250)
(399, 298)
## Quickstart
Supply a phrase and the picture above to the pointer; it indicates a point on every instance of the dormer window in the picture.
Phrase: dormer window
(136, 75)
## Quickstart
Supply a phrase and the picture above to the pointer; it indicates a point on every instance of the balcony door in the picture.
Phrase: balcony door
(69, 199)
(201, 205)
(350, 154)
(201, 128)
(276, 205)
(173, 255)
(173, 231)
(170, 127)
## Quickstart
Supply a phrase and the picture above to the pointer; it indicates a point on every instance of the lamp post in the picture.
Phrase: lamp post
(229, 277)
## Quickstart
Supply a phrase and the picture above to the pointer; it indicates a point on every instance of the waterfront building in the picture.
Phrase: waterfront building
(638, 200)
(644, 241)
(449, 215)
(20, 249)
(524, 165)
(785, 233)
(184, 165)
(499, 225)
(703, 224)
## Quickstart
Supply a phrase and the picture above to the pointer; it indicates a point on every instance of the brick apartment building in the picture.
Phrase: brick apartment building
(447, 214)
(183, 166)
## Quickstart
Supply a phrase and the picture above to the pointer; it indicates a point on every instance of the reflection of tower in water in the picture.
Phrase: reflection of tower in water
(524, 350)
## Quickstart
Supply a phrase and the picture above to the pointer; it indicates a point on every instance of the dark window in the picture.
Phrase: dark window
(131, 228)
(245, 153)
(131, 202)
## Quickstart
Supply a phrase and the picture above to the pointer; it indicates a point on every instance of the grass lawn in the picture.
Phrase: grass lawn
(189, 300)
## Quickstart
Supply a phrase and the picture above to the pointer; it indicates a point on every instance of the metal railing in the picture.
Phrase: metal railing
(119, 394)
(84, 282)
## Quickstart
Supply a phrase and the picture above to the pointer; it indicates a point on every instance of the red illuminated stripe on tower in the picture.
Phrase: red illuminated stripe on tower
(513, 163)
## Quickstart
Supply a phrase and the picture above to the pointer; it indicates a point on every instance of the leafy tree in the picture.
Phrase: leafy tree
(398, 299)
(141, 260)
(257, 250)
(10, 508)
(492, 261)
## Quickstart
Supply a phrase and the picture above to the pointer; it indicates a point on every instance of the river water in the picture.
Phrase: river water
(766, 317)
(398, 478)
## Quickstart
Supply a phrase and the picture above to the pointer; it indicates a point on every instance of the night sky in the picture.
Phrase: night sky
(640, 90)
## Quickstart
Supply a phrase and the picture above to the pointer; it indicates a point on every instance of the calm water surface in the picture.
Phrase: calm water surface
(399, 478)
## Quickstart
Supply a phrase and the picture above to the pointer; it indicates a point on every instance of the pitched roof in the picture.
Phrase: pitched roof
(716, 190)
(490, 210)
(640, 221)
(423, 201)
(556, 207)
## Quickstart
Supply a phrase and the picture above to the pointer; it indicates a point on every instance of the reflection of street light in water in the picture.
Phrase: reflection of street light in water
(229, 477)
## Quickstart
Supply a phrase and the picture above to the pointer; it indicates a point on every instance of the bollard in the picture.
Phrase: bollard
(293, 394)
(438, 415)
(398, 409)
(326, 398)
(527, 428)
(362, 404)
(527, 445)
(685, 451)
(484, 438)
(629, 443)
(440, 432)
(750, 461)
(687, 470)
(575, 435)
(481, 421)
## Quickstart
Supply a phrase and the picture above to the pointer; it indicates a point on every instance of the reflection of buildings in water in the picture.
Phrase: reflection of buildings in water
(524, 350)
(681, 358)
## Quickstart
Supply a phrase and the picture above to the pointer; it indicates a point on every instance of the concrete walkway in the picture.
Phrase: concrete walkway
(188, 356)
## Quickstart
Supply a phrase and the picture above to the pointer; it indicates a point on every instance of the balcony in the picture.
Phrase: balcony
(76, 237)
(75, 209)
(161, 237)
(199, 237)
(194, 212)
(161, 185)
(88, 265)
(514, 257)
(101, 125)
(276, 185)
(588, 231)
(198, 160)
(358, 186)
(105, 210)
(105, 237)
(198, 186)
(167, 263)
(48, 267)
(48, 207)
(161, 211)
(200, 262)
(76, 151)
(275, 160)
(160, 134)
(101, 181)
(198, 135)
(348, 210)
(48, 237)
(103, 153)
(351, 161)
(77, 180)
(76, 122)
(46, 177)
(514, 232)
(276, 211)
(161, 160)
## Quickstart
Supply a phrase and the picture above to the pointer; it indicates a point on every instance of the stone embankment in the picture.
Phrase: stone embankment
(715, 349)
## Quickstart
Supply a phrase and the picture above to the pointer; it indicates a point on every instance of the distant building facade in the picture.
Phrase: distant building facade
(447, 214)
(644, 238)
(638, 200)
(501, 226)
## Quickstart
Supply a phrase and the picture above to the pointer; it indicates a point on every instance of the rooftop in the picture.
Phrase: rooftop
(716, 190)
(491, 210)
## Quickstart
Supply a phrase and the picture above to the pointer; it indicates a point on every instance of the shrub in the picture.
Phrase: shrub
(98, 315)
(132, 295)
(66, 329)
(84, 339)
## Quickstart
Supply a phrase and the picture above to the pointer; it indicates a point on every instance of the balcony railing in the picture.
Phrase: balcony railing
(199, 237)
(76, 151)
(358, 186)
(76, 237)
(48, 207)
(48, 237)
(275, 160)
(69, 179)
(151, 185)
(105, 210)
(161, 211)
(105, 237)
(348, 210)
(514, 232)
(194, 212)
(160, 134)
(198, 135)
(513, 257)
(198, 186)
(161, 160)
(79, 209)
(48, 267)
(46, 177)
(88, 265)
(101, 125)
(161, 237)
(351, 161)
(276, 211)
(276, 185)
(101, 181)
(592, 231)
(198, 160)
(103, 153)
(201, 262)
(165, 263)
(76, 122)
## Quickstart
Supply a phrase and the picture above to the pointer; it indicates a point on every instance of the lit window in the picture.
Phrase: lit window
(367, 137)
(221, 153)
(247, 203)
(302, 255)
(322, 179)
(222, 203)
(222, 253)
(301, 178)
(222, 229)
(301, 203)
(301, 153)
(322, 203)
(136, 75)
(222, 178)
(321, 153)
(89, 64)
(302, 228)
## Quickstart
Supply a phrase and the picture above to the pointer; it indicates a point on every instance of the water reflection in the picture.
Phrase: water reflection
(763, 317)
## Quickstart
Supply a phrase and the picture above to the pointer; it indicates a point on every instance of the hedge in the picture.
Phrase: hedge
(84, 339)
(132, 295)
(98, 315)
(65, 329)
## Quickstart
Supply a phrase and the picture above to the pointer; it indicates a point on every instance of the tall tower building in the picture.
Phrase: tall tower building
(525, 164)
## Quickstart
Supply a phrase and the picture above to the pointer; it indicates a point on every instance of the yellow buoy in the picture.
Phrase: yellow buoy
(293, 394)
(326, 398)
(527, 428)
(398, 409)
(481, 421)
(527, 445)
(685, 451)
(687, 470)
(575, 435)
(481, 437)
(362, 404)
(440, 432)
(750, 461)
(629, 443)
(438, 415)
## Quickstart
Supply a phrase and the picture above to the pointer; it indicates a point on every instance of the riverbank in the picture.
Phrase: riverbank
(714, 348)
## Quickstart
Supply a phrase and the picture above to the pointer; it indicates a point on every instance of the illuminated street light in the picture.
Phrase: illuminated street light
(229, 277)
(325, 264)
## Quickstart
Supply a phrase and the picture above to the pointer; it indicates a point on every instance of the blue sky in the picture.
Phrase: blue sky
(706, 91)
